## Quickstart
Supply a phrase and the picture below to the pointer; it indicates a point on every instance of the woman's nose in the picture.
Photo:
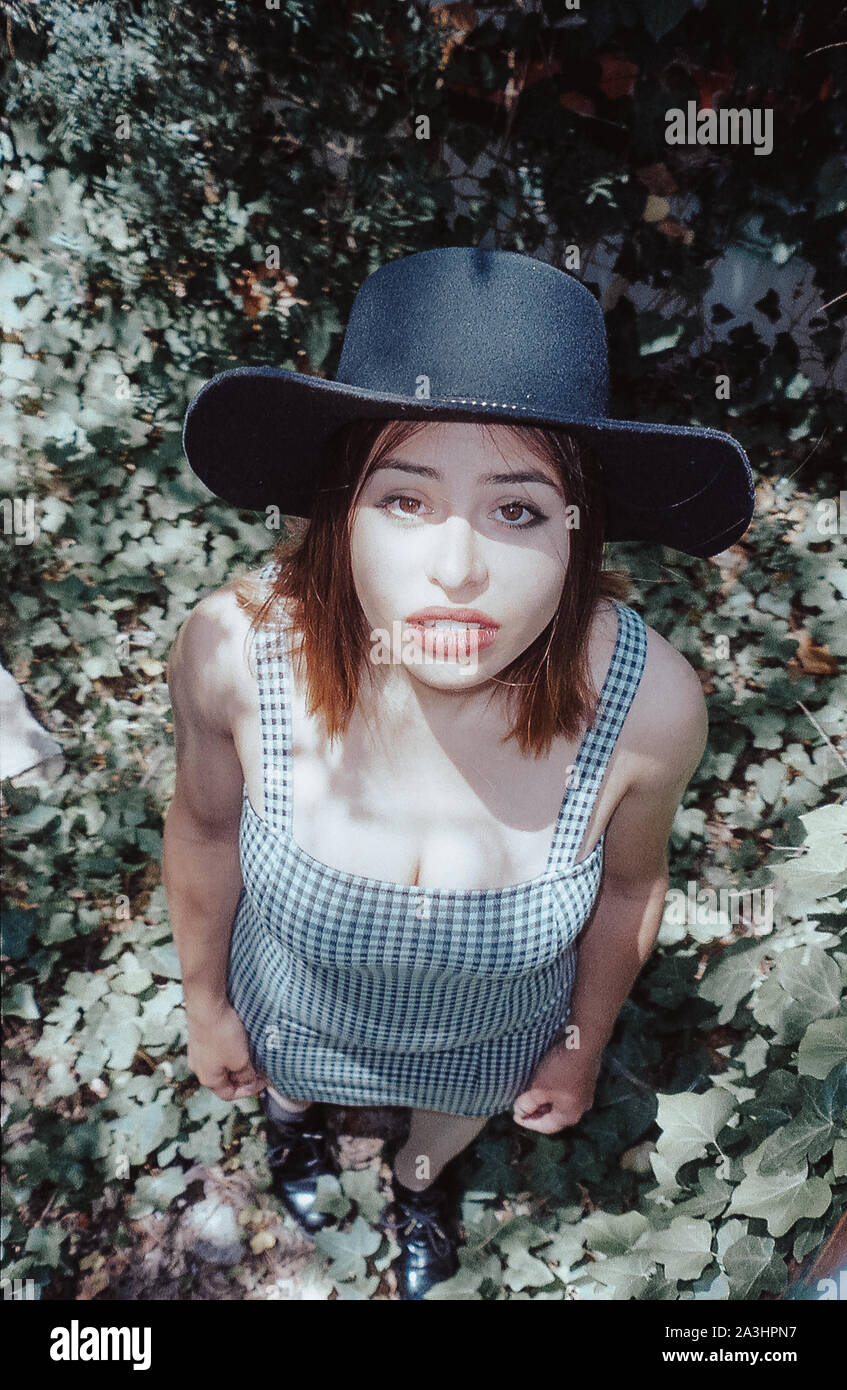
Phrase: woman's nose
(456, 558)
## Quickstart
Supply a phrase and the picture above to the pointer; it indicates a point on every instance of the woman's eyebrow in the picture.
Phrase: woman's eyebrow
(527, 475)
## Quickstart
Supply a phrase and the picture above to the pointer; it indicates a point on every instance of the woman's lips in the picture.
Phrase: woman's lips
(447, 637)
(463, 616)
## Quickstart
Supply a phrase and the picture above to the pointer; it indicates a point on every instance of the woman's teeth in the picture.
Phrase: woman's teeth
(445, 625)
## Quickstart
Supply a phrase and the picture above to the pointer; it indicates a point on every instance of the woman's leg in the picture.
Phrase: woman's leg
(434, 1139)
(283, 1103)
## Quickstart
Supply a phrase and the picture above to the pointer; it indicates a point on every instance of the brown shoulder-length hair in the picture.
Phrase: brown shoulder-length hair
(550, 682)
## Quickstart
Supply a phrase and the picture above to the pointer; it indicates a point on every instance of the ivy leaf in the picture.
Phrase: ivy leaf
(809, 1134)
(781, 1199)
(607, 1234)
(684, 1247)
(204, 1144)
(664, 1171)
(754, 1055)
(34, 821)
(546, 1172)
(31, 1160)
(822, 869)
(732, 979)
(155, 1192)
(362, 1187)
(165, 961)
(133, 978)
(728, 1233)
(690, 1122)
(46, 1241)
(804, 985)
(85, 988)
(359, 1291)
(826, 821)
(823, 1046)
(203, 1103)
(124, 1038)
(465, 1283)
(753, 1267)
(626, 1275)
(330, 1197)
(717, 1289)
(496, 1172)
(146, 1127)
(808, 1238)
(480, 1223)
(19, 1001)
(712, 1198)
(162, 1017)
(523, 1271)
(566, 1248)
(347, 1249)
(93, 1057)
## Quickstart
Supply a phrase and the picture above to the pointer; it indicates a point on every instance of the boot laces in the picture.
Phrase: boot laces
(423, 1225)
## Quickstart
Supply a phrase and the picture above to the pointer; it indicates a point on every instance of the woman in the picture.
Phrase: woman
(448, 755)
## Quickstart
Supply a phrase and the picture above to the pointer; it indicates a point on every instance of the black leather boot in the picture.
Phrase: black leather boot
(426, 1227)
(299, 1151)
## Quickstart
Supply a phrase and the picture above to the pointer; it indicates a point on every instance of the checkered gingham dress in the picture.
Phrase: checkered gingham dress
(357, 991)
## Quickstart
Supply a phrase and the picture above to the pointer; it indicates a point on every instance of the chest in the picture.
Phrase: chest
(488, 824)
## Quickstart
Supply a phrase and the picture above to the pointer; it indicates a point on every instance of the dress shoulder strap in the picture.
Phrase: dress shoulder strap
(616, 697)
(272, 679)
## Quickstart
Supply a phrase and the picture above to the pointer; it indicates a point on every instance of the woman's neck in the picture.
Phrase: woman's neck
(412, 722)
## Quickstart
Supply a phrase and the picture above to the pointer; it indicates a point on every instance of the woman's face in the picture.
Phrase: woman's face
(459, 519)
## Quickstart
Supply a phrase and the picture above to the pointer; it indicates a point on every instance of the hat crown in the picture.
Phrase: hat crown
(458, 324)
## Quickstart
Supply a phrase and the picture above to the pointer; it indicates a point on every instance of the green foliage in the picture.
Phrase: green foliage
(163, 221)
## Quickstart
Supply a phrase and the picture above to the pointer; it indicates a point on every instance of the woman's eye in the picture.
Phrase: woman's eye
(412, 507)
(514, 522)
(389, 502)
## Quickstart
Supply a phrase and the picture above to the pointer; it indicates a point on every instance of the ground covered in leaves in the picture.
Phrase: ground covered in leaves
(713, 1164)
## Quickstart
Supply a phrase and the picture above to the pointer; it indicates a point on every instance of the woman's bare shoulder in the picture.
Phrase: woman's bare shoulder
(212, 645)
(219, 616)
(669, 720)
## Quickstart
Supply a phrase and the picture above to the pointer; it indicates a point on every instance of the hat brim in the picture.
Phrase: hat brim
(255, 436)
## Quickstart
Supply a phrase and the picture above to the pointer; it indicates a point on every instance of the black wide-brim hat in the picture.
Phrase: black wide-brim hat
(469, 335)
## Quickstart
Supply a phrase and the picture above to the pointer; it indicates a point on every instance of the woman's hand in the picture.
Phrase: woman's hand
(218, 1052)
(560, 1093)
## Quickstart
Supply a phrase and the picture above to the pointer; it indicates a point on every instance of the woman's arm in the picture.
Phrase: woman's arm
(669, 740)
(200, 859)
